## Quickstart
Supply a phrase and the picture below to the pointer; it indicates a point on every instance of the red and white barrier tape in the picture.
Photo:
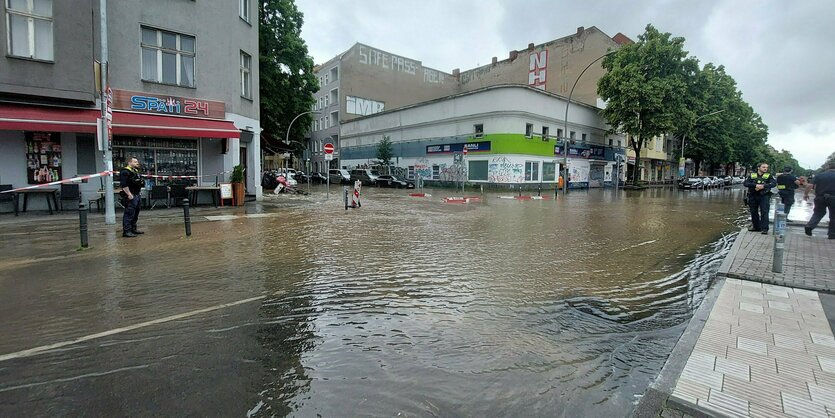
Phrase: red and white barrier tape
(106, 174)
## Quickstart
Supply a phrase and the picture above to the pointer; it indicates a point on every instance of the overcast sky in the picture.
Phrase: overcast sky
(780, 52)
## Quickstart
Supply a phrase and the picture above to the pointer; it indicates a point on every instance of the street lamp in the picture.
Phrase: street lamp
(287, 138)
(565, 131)
(681, 164)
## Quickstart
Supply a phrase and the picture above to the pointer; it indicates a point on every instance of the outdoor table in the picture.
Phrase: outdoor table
(117, 197)
(195, 190)
(46, 192)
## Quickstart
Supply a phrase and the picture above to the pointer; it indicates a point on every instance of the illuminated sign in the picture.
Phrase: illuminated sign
(168, 105)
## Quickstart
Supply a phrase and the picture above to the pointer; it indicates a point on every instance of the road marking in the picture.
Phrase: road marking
(40, 350)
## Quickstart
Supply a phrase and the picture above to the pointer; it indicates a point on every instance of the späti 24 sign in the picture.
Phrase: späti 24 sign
(168, 105)
(459, 147)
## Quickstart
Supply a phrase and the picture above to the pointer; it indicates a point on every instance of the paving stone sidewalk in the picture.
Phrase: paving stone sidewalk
(764, 351)
(809, 262)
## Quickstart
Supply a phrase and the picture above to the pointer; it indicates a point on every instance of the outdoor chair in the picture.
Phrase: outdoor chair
(8, 197)
(70, 192)
(158, 193)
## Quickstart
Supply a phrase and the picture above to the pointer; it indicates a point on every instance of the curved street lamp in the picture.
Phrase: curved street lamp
(565, 131)
(287, 139)
(681, 164)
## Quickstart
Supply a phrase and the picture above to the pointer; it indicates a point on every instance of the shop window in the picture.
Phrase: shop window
(531, 170)
(246, 75)
(528, 130)
(436, 172)
(167, 57)
(478, 130)
(158, 156)
(549, 171)
(29, 29)
(243, 9)
(545, 130)
(477, 170)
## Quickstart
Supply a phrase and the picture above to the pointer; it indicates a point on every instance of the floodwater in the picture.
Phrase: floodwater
(406, 306)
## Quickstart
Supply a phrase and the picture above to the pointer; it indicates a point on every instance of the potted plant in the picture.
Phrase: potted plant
(237, 180)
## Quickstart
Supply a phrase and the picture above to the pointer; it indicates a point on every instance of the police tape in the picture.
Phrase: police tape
(79, 179)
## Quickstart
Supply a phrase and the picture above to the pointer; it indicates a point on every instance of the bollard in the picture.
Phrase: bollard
(82, 223)
(539, 190)
(520, 190)
(779, 239)
(186, 217)
(345, 192)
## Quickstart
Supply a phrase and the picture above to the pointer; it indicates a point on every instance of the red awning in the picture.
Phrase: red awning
(14, 117)
(125, 123)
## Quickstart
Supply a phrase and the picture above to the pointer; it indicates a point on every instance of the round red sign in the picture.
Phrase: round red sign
(328, 148)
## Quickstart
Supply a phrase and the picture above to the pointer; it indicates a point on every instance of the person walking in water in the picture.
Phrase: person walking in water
(759, 186)
(824, 186)
(787, 183)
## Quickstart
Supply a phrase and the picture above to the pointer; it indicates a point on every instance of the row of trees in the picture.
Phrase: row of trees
(654, 87)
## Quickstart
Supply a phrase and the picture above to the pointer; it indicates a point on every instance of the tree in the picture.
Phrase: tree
(384, 151)
(645, 87)
(286, 78)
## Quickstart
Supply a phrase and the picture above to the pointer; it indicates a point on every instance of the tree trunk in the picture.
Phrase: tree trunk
(636, 170)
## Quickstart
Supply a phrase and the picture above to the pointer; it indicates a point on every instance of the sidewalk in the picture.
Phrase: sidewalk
(761, 344)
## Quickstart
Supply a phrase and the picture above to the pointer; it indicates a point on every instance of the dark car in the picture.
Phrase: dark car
(692, 183)
(393, 181)
(318, 178)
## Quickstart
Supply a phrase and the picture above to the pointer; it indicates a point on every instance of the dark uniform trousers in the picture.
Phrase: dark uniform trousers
(759, 203)
(822, 203)
(131, 214)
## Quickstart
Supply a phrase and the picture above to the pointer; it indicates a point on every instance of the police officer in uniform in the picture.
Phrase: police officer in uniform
(786, 185)
(824, 186)
(132, 183)
(759, 186)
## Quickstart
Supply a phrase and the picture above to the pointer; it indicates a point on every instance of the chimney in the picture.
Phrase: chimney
(513, 55)
(456, 72)
(495, 60)
(580, 30)
(530, 47)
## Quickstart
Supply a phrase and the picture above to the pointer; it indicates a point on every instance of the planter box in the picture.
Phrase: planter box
(238, 192)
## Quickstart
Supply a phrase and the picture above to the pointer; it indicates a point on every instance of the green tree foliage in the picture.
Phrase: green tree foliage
(287, 80)
(384, 151)
(646, 86)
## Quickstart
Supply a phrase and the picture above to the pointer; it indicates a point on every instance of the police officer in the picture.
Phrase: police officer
(132, 183)
(759, 186)
(786, 185)
(824, 186)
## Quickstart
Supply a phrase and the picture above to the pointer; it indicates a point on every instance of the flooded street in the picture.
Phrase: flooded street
(406, 306)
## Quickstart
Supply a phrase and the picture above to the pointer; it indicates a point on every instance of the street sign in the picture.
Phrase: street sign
(329, 157)
(328, 148)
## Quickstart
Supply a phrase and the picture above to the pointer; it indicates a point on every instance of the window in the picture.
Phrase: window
(610, 142)
(411, 172)
(246, 77)
(167, 57)
(334, 118)
(29, 29)
(559, 133)
(335, 74)
(531, 170)
(316, 125)
(545, 130)
(244, 9)
(477, 170)
(479, 130)
(327, 100)
(584, 137)
(573, 135)
(619, 144)
(528, 130)
(327, 78)
(436, 172)
(327, 122)
(334, 96)
(549, 171)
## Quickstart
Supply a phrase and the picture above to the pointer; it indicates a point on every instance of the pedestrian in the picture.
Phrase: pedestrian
(759, 186)
(131, 182)
(824, 187)
(787, 183)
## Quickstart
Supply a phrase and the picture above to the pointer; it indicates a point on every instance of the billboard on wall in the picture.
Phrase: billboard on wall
(589, 151)
(481, 146)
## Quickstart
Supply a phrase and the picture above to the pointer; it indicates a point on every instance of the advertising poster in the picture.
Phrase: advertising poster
(43, 157)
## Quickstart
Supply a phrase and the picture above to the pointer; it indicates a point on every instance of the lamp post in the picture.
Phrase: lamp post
(565, 131)
(681, 165)
(287, 139)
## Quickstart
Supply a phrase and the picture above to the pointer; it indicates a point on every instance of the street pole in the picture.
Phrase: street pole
(681, 164)
(565, 131)
(306, 148)
(109, 201)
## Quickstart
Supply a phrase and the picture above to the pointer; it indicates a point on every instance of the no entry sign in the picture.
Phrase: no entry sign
(328, 148)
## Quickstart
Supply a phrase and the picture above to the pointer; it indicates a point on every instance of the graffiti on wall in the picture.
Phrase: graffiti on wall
(503, 170)
(537, 69)
(423, 168)
(364, 107)
(454, 172)
(371, 56)
(578, 173)
(432, 76)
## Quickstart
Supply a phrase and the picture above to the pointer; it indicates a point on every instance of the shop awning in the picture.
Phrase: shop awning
(15, 117)
(125, 123)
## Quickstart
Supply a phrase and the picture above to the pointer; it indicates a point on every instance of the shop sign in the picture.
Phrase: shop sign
(590, 151)
(168, 105)
(482, 146)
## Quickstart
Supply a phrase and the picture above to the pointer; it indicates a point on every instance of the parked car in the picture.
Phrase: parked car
(717, 181)
(393, 181)
(300, 176)
(338, 175)
(367, 176)
(318, 178)
(692, 183)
